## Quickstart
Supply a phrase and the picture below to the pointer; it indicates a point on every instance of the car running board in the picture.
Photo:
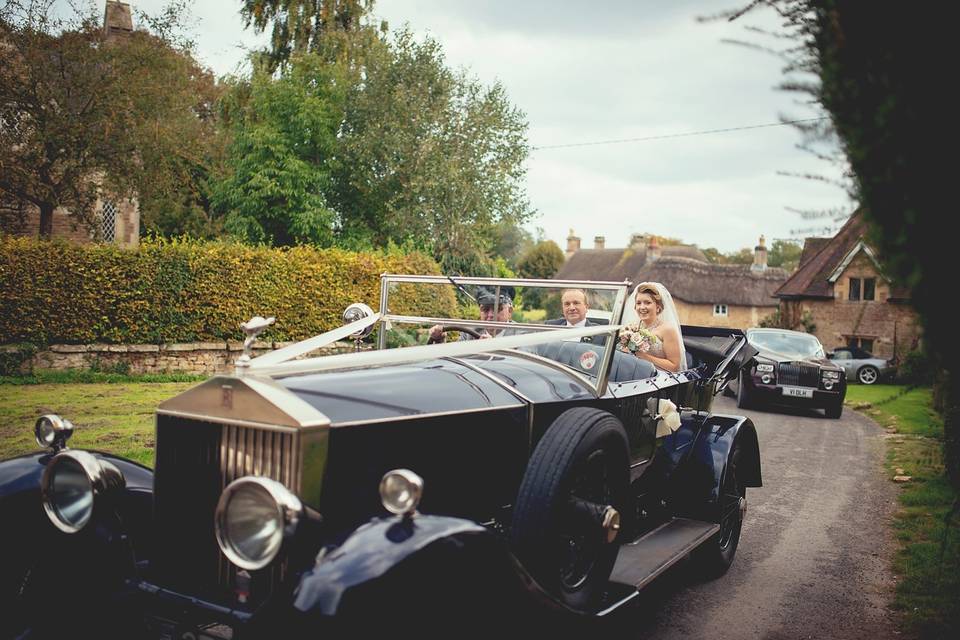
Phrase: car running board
(639, 562)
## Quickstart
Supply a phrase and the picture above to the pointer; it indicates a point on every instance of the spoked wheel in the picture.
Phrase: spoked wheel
(569, 508)
(455, 327)
(716, 555)
(868, 374)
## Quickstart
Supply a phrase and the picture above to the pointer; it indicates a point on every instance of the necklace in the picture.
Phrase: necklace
(656, 324)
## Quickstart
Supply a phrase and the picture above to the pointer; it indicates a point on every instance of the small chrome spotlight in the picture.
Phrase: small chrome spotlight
(52, 431)
(358, 311)
(400, 491)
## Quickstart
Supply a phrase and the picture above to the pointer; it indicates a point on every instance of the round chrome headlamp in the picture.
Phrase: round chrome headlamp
(400, 491)
(72, 484)
(253, 517)
(766, 378)
(358, 311)
(52, 431)
(828, 384)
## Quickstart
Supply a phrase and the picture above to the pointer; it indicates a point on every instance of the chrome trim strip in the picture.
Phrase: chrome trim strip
(553, 364)
(205, 417)
(382, 334)
(418, 416)
(486, 374)
(527, 327)
(607, 285)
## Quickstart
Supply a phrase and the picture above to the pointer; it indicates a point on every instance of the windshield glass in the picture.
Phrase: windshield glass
(794, 345)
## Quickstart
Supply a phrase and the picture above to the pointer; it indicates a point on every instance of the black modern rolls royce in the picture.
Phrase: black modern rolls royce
(461, 483)
(791, 369)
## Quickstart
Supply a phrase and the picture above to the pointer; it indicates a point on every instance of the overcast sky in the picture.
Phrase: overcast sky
(618, 70)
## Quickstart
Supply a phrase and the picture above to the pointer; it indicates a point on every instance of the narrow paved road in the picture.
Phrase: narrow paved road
(814, 557)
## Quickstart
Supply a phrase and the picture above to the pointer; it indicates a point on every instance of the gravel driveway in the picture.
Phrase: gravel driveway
(815, 554)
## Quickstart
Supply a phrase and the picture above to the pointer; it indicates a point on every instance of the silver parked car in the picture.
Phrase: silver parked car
(861, 365)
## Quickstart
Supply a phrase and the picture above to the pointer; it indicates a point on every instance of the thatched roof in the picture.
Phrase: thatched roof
(821, 259)
(618, 264)
(697, 282)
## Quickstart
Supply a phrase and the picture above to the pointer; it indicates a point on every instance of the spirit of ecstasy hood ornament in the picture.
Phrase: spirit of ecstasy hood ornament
(253, 328)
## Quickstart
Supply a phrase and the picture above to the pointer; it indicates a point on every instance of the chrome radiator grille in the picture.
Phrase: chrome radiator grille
(195, 461)
(799, 375)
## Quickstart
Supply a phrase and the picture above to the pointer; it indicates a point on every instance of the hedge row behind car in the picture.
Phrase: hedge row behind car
(189, 291)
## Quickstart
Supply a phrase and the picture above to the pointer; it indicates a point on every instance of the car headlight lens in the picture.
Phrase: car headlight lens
(764, 368)
(831, 375)
(71, 485)
(400, 491)
(254, 515)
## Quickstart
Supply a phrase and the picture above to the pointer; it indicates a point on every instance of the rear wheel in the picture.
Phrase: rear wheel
(716, 555)
(868, 374)
(567, 515)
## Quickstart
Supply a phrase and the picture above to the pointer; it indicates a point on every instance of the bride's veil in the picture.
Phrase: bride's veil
(668, 315)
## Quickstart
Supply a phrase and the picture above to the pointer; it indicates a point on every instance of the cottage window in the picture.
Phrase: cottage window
(856, 342)
(108, 221)
(869, 288)
(853, 292)
(720, 310)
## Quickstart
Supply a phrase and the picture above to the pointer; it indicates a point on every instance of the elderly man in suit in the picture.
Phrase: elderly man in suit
(574, 304)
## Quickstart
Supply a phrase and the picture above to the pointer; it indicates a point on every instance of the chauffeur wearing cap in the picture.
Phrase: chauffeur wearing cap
(487, 301)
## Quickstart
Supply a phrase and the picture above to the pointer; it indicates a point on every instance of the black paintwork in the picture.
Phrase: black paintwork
(468, 434)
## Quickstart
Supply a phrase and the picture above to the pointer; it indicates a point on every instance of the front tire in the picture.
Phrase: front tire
(716, 555)
(835, 410)
(582, 459)
(868, 374)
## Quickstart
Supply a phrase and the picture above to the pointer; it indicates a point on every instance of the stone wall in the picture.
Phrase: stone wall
(193, 357)
(738, 317)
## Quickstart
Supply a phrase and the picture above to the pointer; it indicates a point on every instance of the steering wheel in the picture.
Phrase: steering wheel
(454, 327)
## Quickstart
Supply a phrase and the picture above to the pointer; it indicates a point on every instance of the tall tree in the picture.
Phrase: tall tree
(428, 156)
(82, 116)
(279, 163)
(297, 26)
(880, 70)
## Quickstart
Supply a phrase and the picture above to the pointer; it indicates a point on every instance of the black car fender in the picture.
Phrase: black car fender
(460, 568)
(40, 560)
(700, 472)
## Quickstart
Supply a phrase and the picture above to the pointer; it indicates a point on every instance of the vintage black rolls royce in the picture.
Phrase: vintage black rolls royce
(541, 472)
(790, 369)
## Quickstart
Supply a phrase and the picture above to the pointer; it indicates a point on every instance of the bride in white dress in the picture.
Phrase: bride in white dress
(654, 309)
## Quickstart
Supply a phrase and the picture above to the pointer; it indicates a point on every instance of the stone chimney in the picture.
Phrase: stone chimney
(598, 242)
(117, 20)
(653, 248)
(637, 241)
(760, 256)
(573, 244)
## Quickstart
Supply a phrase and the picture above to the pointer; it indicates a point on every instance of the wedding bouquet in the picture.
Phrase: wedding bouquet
(634, 337)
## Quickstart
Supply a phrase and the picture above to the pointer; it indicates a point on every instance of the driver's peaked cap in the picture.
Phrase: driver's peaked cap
(487, 296)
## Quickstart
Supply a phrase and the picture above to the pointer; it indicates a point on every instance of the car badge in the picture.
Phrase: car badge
(226, 396)
(588, 359)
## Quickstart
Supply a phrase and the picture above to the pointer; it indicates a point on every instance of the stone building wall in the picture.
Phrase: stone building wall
(126, 225)
(840, 319)
(194, 357)
(738, 317)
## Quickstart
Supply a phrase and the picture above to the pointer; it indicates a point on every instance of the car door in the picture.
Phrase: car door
(844, 358)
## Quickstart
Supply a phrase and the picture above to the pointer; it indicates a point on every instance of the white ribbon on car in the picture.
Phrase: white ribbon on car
(405, 355)
(668, 418)
(306, 346)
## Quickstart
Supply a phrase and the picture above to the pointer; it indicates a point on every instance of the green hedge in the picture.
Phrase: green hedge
(186, 291)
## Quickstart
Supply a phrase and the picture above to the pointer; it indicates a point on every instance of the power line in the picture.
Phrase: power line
(674, 135)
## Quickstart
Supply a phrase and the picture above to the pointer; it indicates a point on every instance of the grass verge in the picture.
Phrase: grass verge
(927, 563)
(108, 416)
